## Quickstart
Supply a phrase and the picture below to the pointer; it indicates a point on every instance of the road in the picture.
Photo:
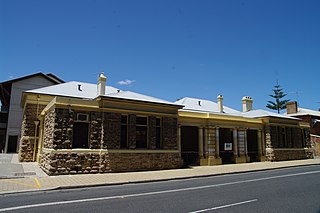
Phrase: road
(284, 190)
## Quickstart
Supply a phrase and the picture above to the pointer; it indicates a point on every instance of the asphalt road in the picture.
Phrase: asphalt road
(283, 190)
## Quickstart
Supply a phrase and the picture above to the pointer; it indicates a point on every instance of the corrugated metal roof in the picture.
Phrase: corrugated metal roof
(136, 96)
(73, 89)
(303, 111)
(201, 105)
(89, 91)
(260, 113)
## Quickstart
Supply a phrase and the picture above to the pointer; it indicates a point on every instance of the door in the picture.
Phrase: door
(12, 144)
(252, 143)
(225, 145)
(189, 145)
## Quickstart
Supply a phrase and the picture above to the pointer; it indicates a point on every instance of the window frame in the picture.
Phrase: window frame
(127, 135)
(159, 144)
(146, 126)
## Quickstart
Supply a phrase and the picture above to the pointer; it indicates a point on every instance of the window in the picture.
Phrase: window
(124, 131)
(141, 132)
(158, 133)
(80, 135)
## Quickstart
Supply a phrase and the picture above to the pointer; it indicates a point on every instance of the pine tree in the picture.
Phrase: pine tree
(278, 95)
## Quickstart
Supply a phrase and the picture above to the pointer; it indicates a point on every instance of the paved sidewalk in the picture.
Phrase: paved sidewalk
(42, 182)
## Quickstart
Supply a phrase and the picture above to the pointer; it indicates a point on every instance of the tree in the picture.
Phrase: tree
(279, 104)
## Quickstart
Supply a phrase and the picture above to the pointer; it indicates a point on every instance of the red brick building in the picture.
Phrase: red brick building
(310, 116)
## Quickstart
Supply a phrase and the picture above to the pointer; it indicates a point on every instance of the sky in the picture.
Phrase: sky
(169, 49)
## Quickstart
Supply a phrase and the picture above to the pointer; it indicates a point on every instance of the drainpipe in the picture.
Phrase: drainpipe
(36, 123)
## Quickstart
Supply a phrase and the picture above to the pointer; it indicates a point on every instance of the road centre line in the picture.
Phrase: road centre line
(225, 206)
(152, 193)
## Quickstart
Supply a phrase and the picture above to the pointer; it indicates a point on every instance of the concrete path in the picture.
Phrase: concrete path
(40, 181)
(10, 167)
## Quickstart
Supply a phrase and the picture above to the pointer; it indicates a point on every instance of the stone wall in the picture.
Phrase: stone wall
(315, 141)
(152, 132)
(112, 130)
(169, 128)
(64, 163)
(125, 162)
(270, 156)
(294, 154)
(96, 130)
(49, 125)
(28, 130)
(63, 128)
(132, 131)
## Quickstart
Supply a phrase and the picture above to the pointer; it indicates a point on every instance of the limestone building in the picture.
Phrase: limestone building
(76, 127)
(211, 133)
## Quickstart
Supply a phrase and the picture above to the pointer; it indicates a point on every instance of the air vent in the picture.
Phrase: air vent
(82, 117)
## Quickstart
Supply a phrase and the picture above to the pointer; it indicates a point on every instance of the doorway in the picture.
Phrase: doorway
(225, 145)
(189, 145)
(252, 144)
(12, 144)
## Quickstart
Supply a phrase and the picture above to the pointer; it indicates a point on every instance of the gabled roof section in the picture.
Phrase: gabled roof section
(55, 78)
(260, 113)
(50, 77)
(304, 111)
(73, 89)
(128, 95)
(201, 105)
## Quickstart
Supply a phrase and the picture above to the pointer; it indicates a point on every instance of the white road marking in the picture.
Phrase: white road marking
(225, 206)
(153, 193)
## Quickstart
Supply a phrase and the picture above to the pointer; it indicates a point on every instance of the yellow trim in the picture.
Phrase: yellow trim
(218, 117)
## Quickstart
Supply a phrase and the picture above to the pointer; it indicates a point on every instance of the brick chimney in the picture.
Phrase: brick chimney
(292, 107)
(101, 89)
(246, 104)
(220, 103)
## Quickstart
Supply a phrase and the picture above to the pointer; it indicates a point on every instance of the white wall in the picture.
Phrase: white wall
(16, 110)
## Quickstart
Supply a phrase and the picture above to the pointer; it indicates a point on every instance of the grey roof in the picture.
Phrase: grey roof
(201, 105)
(303, 111)
(260, 113)
(207, 106)
(89, 91)
(49, 76)
(71, 89)
(136, 96)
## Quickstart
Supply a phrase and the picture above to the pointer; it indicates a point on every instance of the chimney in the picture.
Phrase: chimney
(246, 104)
(220, 103)
(292, 107)
(101, 90)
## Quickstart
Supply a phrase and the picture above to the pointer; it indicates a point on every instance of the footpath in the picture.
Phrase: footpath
(18, 177)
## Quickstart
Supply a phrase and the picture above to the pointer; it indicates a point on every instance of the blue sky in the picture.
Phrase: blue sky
(169, 49)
